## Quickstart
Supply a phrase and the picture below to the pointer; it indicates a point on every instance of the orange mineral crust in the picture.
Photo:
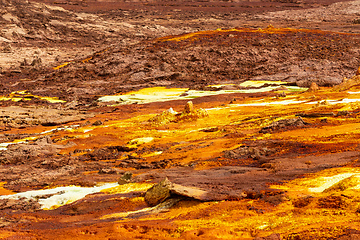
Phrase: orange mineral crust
(241, 166)
(180, 119)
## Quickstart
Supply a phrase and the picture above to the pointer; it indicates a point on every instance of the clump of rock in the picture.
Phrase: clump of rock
(165, 189)
(283, 124)
(187, 115)
(164, 117)
(125, 178)
(313, 87)
(244, 152)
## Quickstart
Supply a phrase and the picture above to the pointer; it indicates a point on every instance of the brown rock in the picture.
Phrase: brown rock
(158, 193)
(163, 118)
(189, 192)
(125, 178)
(164, 189)
(335, 202)
(313, 87)
(97, 123)
(189, 107)
(303, 202)
(358, 72)
(107, 171)
(267, 165)
(283, 124)
(315, 115)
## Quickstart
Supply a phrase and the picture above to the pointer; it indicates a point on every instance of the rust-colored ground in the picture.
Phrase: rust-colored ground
(249, 204)
(272, 158)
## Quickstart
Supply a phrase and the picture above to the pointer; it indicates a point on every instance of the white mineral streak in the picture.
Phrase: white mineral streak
(60, 195)
(163, 94)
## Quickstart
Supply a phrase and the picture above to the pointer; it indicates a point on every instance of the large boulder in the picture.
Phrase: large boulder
(158, 193)
(165, 189)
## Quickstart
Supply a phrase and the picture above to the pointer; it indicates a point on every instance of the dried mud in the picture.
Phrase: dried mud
(267, 159)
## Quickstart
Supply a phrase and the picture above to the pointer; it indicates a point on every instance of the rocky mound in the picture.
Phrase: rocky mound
(23, 20)
(130, 57)
(198, 59)
(36, 36)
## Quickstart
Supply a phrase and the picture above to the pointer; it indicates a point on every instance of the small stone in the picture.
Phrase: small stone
(24, 63)
(125, 178)
(189, 107)
(166, 189)
(268, 165)
(303, 202)
(343, 113)
(255, 154)
(282, 94)
(97, 123)
(313, 87)
(358, 72)
(163, 118)
(283, 124)
(107, 171)
(7, 49)
(158, 193)
(36, 61)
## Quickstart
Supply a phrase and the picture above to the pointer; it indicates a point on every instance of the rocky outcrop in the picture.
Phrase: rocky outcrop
(158, 193)
(19, 204)
(284, 124)
(317, 115)
(348, 83)
(125, 178)
(165, 189)
(313, 87)
(188, 114)
(244, 152)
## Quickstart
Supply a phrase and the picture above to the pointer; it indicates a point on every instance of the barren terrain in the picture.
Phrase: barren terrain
(179, 119)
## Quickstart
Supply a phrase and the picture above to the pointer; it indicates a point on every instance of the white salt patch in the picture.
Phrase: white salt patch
(347, 100)
(173, 94)
(68, 128)
(3, 146)
(63, 195)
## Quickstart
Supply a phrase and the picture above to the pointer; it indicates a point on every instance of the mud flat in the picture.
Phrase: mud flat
(181, 120)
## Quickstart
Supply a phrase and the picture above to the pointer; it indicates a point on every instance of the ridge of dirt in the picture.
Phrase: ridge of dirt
(121, 54)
